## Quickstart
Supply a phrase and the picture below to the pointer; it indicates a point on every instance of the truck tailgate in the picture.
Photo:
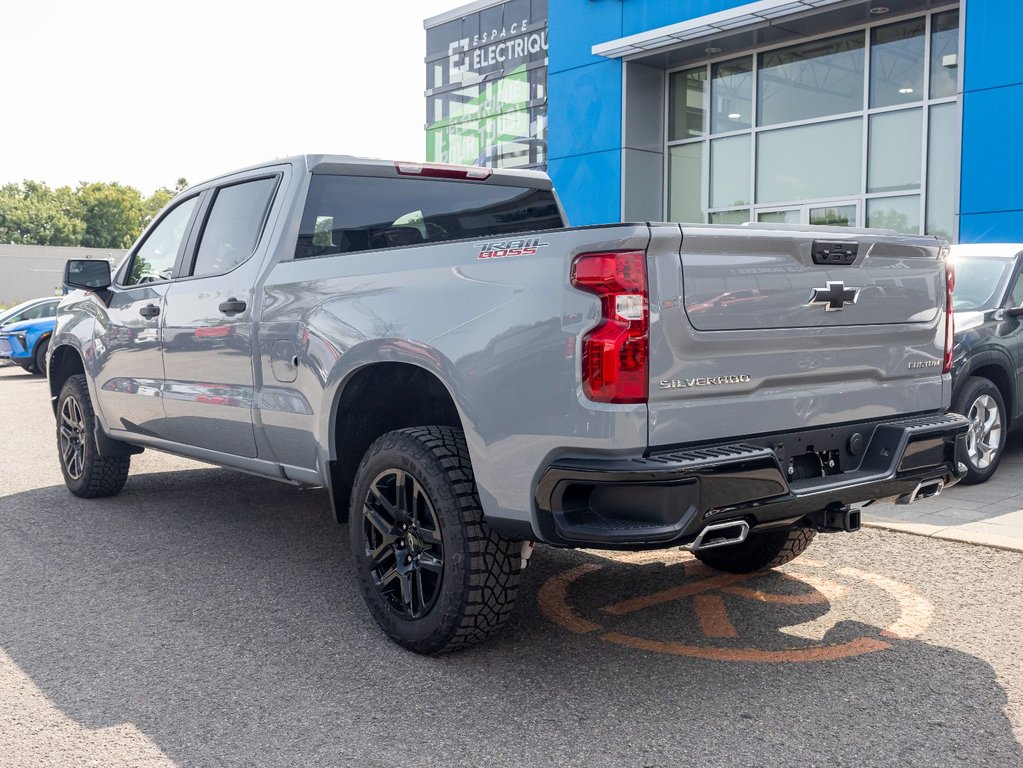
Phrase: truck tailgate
(764, 330)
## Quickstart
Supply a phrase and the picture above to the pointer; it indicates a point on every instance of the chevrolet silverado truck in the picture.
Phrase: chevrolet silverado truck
(467, 375)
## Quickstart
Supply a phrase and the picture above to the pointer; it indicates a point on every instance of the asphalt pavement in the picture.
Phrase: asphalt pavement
(207, 618)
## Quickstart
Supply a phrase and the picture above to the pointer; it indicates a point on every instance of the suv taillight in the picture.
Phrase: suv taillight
(614, 354)
(950, 325)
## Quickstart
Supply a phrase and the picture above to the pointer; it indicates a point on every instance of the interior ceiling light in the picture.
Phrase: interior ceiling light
(905, 90)
(713, 50)
(879, 10)
(734, 115)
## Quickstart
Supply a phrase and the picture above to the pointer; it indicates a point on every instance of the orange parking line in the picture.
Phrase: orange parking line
(713, 618)
(554, 604)
(855, 647)
(674, 593)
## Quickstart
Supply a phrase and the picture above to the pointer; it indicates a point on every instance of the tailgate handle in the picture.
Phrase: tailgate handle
(834, 253)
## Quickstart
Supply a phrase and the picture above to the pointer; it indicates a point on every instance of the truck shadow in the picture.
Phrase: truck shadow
(217, 613)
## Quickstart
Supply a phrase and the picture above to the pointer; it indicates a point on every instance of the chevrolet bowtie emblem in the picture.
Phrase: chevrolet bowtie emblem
(834, 297)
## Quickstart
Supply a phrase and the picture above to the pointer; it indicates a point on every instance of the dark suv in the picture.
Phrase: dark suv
(988, 303)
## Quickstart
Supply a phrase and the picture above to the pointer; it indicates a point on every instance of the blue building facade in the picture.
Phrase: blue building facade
(887, 113)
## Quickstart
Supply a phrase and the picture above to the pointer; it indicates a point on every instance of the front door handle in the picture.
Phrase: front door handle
(232, 307)
(149, 311)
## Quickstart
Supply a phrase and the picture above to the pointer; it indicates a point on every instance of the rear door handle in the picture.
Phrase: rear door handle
(232, 307)
(149, 311)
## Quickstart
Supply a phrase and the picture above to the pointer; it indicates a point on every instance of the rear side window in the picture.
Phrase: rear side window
(233, 226)
(360, 213)
(38, 312)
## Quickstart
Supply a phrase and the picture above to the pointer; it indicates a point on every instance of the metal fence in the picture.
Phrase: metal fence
(33, 271)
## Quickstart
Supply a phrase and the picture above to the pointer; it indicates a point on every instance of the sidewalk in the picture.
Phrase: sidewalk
(989, 514)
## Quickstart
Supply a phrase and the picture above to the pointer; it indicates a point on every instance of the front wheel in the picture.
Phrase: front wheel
(435, 576)
(980, 401)
(40, 357)
(86, 473)
(761, 550)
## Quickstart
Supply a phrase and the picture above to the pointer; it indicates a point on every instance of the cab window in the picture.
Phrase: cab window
(154, 260)
(233, 226)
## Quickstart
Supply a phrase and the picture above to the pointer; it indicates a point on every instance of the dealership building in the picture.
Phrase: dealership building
(889, 113)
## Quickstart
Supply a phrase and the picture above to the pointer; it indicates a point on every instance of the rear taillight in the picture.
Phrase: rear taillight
(950, 326)
(614, 354)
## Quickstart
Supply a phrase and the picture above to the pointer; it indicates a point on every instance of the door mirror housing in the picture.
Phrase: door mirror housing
(88, 274)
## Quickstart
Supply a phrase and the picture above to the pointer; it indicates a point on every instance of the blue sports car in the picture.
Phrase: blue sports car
(25, 333)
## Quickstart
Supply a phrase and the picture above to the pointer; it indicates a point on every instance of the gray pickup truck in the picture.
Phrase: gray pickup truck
(466, 374)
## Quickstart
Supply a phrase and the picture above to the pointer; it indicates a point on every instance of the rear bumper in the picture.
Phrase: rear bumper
(667, 499)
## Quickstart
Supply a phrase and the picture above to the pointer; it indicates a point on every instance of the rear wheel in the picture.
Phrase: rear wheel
(435, 577)
(761, 550)
(980, 401)
(86, 473)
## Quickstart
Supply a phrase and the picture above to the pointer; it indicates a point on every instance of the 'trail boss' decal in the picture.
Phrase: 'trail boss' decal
(704, 381)
(500, 249)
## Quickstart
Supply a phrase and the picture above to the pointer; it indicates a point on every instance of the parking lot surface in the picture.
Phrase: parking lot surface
(205, 617)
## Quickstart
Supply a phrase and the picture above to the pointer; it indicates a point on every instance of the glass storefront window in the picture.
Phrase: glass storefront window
(790, 216)
(685, 108)
(815, 79)
(944, 54)
(834, 216)
(729, 171)
(942, 145)
(685, 183)
(820, 133)
(894, 158)
(899, 213)
(810, 161)
(897, 63)
(730, 217)
(731, 95)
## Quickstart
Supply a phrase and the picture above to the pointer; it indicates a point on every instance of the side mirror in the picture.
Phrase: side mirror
(90, 274)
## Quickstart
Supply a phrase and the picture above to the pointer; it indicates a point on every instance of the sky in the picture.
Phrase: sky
(144, 92)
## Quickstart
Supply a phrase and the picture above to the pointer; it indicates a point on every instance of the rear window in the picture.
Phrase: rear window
(360, 213)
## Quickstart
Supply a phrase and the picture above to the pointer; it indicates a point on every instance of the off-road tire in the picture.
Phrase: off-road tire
(100, 475)
(479, 577)
(974, 389)
(39, 358)
(762, 550)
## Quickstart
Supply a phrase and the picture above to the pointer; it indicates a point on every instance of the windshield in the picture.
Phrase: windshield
(979, 282)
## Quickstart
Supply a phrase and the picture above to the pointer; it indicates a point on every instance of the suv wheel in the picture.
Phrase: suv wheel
(40, 357)
(86, 473)
(762, 550)
(980, 401)
(435, 577)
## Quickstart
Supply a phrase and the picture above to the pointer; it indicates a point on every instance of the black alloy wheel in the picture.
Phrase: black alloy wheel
(403, 543)
(72, 437)
(434, 575)
(86, 473)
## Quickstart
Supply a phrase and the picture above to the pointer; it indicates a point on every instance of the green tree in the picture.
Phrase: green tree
(113, 214)
(33, 214)
(156, 201)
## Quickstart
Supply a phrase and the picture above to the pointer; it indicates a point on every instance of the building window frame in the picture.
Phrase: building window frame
(863, 196)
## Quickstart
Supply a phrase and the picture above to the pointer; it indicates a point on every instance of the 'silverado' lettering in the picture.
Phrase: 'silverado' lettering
(704, 381)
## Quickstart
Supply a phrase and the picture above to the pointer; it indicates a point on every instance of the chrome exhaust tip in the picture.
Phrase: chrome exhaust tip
(719, 535)
(924, 490)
